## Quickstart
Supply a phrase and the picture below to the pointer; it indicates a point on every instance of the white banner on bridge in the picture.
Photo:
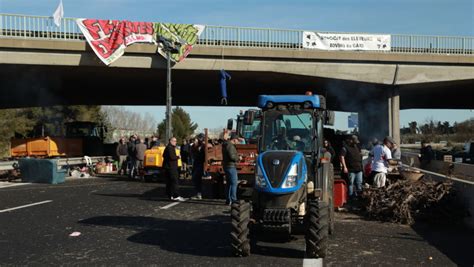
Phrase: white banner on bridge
(346, 41)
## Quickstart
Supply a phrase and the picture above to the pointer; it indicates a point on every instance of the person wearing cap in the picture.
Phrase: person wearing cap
(381, 155)
(229, 161)
(351, 161)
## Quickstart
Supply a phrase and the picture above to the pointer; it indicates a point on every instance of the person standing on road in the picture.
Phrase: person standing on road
(154, 142)
(381, 155)
(170, 164)
(131, 156)
(229, 160)
(122, 153)
(140, 149)
(328, 147)
(351, 161)
(396, 152)
(198, 151)
(426, 154)
(185, 156)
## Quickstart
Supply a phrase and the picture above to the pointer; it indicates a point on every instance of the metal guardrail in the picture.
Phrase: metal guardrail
(411, 160)
(7, 165)
(10, 165)
(42, 27)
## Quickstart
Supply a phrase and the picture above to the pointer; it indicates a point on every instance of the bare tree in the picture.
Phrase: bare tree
(121, 118)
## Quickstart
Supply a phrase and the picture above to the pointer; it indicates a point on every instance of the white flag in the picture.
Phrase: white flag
(58, 14)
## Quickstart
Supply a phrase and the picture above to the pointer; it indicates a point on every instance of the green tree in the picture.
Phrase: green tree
(182, 125)
(30, 122)
(413, 127)
(12, 121)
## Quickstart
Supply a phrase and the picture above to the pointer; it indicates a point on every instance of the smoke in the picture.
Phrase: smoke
(370, 101)
(29, 86)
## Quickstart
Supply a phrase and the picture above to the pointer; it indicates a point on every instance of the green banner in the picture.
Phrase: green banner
(186, 34)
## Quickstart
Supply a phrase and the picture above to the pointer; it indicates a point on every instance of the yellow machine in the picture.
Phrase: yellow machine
(46, 147)
(153, 162)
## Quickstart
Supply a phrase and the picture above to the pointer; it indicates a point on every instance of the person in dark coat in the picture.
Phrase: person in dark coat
(170, 165)
(198, 151)
(426, 154)
(131, 156)
(351, 161)
(140, 149)
(330, 149)
(122, 153)
(229, 161)
(154, 142)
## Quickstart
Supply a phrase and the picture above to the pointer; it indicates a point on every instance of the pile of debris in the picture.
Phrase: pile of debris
(403, 201)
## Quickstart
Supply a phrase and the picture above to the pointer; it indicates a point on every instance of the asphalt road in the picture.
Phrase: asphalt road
(132, 223)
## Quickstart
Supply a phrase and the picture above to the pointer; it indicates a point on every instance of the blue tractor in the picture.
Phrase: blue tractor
(293, 177)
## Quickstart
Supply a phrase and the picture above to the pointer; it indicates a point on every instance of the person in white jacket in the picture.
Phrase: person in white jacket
(381, 155)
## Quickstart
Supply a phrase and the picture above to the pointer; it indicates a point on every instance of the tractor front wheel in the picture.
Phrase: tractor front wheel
(317, 229)
(240, 214)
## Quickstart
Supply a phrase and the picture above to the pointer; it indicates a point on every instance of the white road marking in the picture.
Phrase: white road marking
(25, 206)
(7, 184)
(172, 204)
(313, 262)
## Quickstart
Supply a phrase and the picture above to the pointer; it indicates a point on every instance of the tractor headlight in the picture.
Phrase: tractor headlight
(259, 179)
(292, 177)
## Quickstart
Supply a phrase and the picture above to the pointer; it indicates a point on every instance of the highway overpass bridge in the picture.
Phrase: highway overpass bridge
(45, 65)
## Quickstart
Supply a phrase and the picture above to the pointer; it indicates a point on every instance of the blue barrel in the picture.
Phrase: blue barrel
(41, 171)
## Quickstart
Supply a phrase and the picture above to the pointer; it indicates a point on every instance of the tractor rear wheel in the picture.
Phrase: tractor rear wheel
(240, 214)
(317, 229)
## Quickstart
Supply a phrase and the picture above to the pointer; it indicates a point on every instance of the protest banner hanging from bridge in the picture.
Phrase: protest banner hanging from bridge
(346, 41)
(186, 34)
(109, 38)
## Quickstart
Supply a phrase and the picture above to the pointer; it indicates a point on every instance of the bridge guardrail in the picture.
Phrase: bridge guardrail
(42, 27)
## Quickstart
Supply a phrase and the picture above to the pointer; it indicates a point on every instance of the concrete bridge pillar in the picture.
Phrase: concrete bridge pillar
(395, 115)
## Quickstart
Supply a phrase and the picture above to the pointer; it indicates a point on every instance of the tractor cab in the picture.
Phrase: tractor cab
(292, 137)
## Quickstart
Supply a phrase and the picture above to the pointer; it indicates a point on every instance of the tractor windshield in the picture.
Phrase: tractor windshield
(287, 130)
(250, 132)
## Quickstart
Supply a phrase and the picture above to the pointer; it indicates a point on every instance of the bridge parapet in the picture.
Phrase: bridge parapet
(42, 27)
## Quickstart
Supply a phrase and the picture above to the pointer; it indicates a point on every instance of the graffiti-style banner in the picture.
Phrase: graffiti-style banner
(346, 41)
(186, 34)
(109, 38)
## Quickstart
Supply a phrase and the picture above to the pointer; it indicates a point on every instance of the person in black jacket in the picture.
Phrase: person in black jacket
(351, 161)
(131, 156)
(170, 164)
(122, 153)
(229, 161)
(198, 153)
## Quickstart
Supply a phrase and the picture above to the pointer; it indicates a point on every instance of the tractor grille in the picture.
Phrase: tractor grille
(276, 173)
(276, 216)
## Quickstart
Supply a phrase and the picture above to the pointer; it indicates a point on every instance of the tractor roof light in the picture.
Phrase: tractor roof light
(269, 104)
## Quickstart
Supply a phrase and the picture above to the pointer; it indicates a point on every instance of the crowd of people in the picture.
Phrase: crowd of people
(351, 163)
(131, 154)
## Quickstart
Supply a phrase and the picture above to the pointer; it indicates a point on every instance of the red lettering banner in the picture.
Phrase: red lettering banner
(109, 38)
